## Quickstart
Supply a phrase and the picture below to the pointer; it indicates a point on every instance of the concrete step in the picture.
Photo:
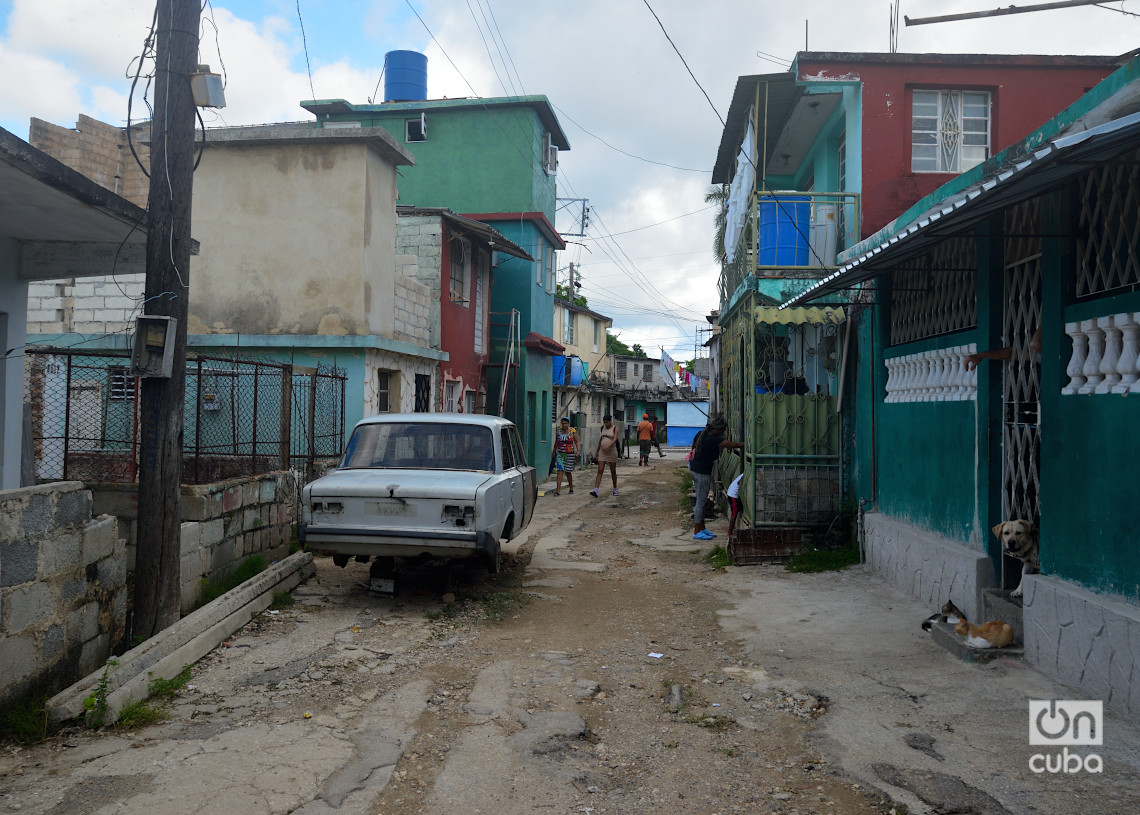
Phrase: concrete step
(943, 634)
(996, 605)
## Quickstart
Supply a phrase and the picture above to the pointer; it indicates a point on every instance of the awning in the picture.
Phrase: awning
(543, 344)
(773, 315)
(1046, 169)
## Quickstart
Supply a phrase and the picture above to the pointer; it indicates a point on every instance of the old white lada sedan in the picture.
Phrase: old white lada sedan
(437, 485)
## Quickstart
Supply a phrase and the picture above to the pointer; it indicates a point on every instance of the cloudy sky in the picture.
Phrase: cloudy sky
(643, 137)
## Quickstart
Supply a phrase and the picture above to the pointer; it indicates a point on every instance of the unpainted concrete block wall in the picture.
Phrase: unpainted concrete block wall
(222, 524)
(99, 151)
(63, 595)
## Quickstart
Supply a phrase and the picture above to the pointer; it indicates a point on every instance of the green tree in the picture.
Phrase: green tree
(617, 347)
(562, 292)
(718, 195)
(638, 351)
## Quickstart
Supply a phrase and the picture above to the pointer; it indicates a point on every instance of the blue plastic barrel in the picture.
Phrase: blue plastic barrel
(405, 76)
(561, 372)
(785, 223)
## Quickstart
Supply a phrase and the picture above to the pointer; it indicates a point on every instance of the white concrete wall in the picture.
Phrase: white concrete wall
(13, 318)
(404, 382)
(927, 566)
(1090, 642)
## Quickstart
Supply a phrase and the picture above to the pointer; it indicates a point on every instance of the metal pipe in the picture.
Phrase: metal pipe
(1000, 12)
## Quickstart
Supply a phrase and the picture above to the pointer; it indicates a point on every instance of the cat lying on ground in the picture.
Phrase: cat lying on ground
(994, 634)
(948, 614)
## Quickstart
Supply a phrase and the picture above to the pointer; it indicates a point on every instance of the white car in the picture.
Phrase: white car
(435, 485)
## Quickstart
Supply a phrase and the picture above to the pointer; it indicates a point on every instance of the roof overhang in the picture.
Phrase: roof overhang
(539, 219)
(66, 224)
(307, 133)
(543, 344)
(488, 234)
(1003, 181)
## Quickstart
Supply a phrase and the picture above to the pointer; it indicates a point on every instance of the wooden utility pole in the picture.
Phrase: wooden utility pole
(157, 596)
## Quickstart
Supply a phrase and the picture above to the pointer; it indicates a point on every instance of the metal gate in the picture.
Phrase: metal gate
(1021, 379)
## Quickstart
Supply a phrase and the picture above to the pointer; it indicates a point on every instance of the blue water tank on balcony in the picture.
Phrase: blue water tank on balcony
(559, 377)
(785, 224)
(575, 370)
(405, 76)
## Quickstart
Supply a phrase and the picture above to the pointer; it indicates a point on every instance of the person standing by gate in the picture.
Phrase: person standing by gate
(706, 450)
(644, 439)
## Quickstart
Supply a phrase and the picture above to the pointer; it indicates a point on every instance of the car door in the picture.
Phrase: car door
(529, 477)
(513, 476)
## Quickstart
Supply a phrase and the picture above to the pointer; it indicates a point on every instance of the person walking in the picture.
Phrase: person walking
(656, 439)
(606, 453)
(566, 452)
(644, 439)
(706, 450)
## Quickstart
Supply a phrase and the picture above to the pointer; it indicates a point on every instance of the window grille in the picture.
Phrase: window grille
(451, 397)
(569, 334)
(423, 393)
(646, 372)
(619, 370)
(383, 392)
(121, 384)
(460, 263)
(1109, 226)
(936, 293)
(950, 130)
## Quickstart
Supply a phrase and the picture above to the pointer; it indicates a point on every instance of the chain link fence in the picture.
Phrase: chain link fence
(242, 417)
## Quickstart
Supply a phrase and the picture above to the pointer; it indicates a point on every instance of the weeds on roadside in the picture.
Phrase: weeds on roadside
(718, 558)
(823, 560)
(686, 487)
(497, 605)
(95, 703)
(213, 589)
(281, 599)
(139, 713)
(25, 721)
(168, 688)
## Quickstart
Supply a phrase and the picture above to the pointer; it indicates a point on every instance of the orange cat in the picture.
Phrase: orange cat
(994, 634)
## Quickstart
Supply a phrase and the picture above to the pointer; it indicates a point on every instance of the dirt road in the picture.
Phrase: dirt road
(610, 670)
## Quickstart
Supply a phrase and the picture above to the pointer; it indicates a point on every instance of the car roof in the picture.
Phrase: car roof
(436, 418)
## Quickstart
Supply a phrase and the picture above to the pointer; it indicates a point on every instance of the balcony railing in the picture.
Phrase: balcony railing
(787, 234)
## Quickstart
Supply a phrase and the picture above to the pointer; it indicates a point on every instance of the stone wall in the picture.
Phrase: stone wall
(63, 595)
(222, 524)
(925, 565)
(99, 151)
(1090, 642)
(412, 304)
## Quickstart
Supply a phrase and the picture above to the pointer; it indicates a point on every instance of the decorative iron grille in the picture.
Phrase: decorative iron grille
(1021, 374)
(935, 294)
(1109, 230)
(241, 417)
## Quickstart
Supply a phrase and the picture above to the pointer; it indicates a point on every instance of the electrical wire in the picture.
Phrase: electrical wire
(683, 62)
(623, 152)
(305, 43)
(659, 223)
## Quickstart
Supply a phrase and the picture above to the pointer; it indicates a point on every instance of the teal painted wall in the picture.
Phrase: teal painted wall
(474, 160)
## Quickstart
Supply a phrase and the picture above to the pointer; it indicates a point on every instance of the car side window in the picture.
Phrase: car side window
(508, 449)
(520, 453)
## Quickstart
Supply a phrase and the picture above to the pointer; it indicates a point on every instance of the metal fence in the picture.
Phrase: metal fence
(241, 417)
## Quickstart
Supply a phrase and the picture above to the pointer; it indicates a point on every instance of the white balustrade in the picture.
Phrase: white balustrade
(1106, 355)
(932, 376)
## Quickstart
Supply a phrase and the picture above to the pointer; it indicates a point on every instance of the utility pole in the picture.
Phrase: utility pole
(157, 593)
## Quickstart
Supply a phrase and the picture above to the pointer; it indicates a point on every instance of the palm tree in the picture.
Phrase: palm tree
(718, 195)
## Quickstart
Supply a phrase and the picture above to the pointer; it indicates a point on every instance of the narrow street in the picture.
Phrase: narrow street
(608, 670)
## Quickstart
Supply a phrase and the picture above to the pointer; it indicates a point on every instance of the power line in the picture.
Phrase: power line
(305, 43)
(623, 152)
(683, 62)
(659, 223)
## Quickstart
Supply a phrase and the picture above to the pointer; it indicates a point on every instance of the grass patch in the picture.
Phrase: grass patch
(497, 605)
(823, 560)
(281, 599)
(25, 721)
(95, 704)
(213, 589)
(139, 713)
(718, 558)
(168, 688)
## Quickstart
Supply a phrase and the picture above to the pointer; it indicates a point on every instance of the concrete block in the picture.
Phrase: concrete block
(29, 605)
(61, 555)
(112, 574)
(269, 487)
(83, 623)
(122, 501)
(94, 653)
(36, 518)
(191, 537)
(232, 498)
(212, 532)
(99, 539)
(19, 562)
(250, 493)
(195, 505)
(18, 656)
(73, 508)
(71, 591)
(51, 645)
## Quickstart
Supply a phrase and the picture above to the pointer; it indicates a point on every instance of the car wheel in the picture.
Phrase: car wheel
(493, 557)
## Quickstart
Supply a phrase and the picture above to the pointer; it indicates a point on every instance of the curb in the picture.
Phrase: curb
(188, 640)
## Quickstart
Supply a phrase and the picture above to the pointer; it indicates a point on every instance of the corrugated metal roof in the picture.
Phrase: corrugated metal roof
(1046, 169)
(782, 95)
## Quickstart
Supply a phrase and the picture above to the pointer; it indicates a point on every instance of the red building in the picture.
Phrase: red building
(456, 257)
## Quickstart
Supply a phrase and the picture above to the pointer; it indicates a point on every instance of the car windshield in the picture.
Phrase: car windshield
(421, 446)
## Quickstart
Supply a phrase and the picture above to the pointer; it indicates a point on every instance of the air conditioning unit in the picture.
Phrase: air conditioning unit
(824, 234)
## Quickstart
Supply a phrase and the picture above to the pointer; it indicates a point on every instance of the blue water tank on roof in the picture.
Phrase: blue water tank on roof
(405, 76)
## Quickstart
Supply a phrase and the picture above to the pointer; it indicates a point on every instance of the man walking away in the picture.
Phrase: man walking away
(644, 439)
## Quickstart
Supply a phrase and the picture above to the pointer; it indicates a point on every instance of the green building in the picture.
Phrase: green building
(494, 160)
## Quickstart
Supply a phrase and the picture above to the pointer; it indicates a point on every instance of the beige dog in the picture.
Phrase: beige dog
(1018, 540)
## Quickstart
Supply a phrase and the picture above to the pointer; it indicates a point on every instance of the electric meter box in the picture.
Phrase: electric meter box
(153, 350)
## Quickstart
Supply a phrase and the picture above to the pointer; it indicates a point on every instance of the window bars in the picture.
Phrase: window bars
(936, 293)
(1109, 231)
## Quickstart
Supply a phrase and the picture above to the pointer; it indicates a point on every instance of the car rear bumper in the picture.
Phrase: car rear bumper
(339, 540)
